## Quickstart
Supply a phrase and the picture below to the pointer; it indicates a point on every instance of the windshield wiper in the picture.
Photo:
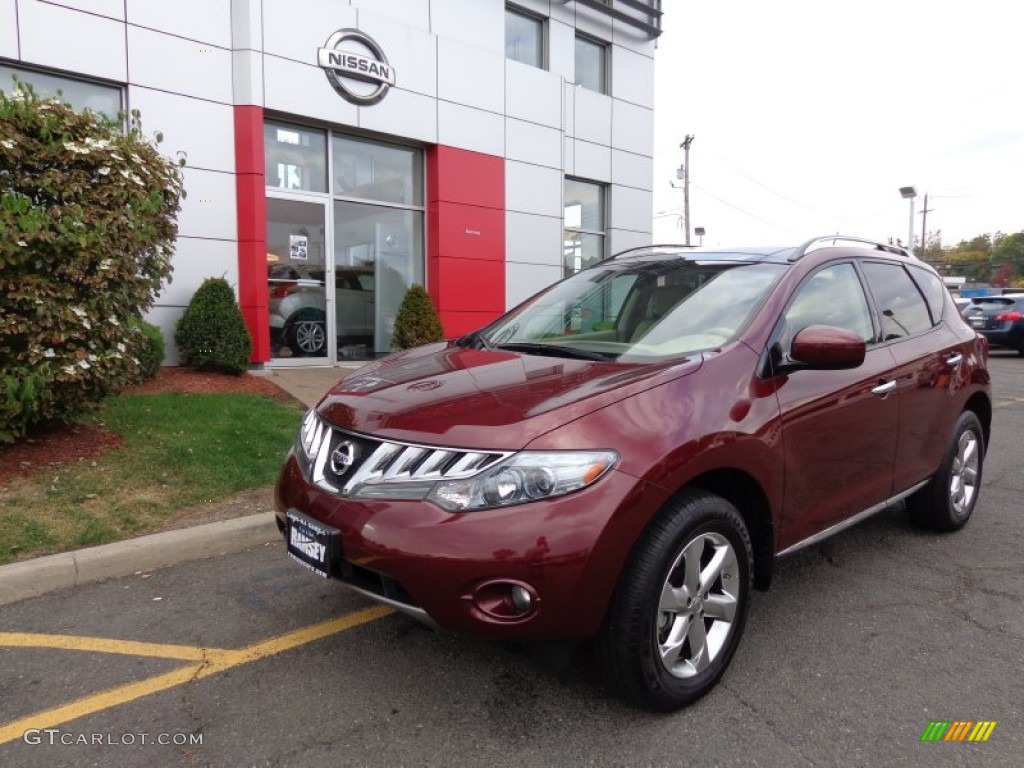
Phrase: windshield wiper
(475, 340)
(554, 350)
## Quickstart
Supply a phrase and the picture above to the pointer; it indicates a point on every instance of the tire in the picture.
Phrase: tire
(306, 334)
(947, 501)
(666, 642)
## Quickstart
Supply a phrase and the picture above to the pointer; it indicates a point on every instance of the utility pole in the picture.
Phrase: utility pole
(924, 227)
(686, 184)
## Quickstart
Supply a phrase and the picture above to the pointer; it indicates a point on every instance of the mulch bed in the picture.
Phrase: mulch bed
(55, 447)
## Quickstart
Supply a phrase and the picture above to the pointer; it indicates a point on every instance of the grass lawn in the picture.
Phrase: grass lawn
(179, 451)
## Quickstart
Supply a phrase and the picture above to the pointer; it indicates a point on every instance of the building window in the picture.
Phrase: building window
(524, 38)
(296, 157)
(584, 239)
(591, 64)
(104, 99)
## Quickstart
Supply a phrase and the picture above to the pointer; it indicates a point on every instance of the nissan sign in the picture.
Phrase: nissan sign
(356, 67)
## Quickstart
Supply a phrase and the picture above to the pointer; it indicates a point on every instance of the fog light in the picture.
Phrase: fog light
(522, 600)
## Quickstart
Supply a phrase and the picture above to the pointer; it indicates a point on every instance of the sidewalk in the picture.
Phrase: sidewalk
(40, 575)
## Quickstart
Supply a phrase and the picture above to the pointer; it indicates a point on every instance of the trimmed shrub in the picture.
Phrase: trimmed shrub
(151, 352)
(87, 228)
(417, 322)
(211, 335)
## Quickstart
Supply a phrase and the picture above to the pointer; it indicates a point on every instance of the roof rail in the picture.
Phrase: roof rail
(649, 247)
(859, 242)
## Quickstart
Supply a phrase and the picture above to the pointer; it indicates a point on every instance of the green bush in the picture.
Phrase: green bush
(211, 335)
(87, 228)
(151, 352)
(417, 322)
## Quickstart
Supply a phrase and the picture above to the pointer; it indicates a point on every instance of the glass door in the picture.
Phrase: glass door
(298, 272)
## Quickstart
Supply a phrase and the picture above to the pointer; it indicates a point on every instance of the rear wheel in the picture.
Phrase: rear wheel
(679, 611)
(947, 501)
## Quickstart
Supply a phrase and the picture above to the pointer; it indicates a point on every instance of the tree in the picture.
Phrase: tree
(87, 228)
(417, 322)
(211, 334)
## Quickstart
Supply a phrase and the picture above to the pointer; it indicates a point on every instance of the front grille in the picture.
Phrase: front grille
(345, 463)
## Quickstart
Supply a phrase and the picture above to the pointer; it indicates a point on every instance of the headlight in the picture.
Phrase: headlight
(526, 476)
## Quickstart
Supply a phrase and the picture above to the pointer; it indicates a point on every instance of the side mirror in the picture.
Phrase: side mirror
(827, 348)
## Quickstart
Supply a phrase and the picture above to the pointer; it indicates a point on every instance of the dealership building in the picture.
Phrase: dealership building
(339, 151)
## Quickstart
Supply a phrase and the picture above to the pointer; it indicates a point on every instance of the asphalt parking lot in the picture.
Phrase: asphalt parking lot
(249, 660)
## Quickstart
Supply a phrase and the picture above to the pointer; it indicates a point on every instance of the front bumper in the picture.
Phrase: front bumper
(415, 556)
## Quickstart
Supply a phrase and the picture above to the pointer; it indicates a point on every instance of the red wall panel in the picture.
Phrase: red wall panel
(251, 198)
(466, 242)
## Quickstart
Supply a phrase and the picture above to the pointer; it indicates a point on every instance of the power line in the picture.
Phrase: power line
(744, 212)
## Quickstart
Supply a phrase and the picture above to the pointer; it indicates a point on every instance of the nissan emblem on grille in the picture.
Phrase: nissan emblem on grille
(343, 457)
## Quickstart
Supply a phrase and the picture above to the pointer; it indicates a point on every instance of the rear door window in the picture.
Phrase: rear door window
(901, 306)
(934, 291)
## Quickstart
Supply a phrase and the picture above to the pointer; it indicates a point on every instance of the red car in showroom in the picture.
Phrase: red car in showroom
(624, 456)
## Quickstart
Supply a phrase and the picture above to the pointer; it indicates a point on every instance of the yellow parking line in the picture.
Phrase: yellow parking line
(213, 661)
(100, 645)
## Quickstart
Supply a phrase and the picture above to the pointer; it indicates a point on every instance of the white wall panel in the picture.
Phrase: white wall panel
(632, 170)
(247, 77)
(632, 128)
(472, 129)
(202, 129)
(210, 210)
(524, 280)
(469, 75)
(413, 13)
(207, 21)
(411, 52)
(533, 94)
(9, 30)
(112, 9)
(247, 24)
(196, 259)
(54, 36)
(569, 109)
(635, 39)
(592, 161)
(403, 113)
(198, 70)
(631, 208)
(531, 239)
(303, 89)
(532, 189)
(481, 24)
(569, 157)
(533, 143)
(593, 23)
(623, 239)
(295, 29)
(593, 119)
(562, 50)
(632, 77)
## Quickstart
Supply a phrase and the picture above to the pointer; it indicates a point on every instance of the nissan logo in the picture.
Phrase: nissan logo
(343, 457)
(356, 67)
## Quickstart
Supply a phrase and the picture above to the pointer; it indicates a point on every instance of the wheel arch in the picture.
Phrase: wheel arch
(982, 407)
(746, 494)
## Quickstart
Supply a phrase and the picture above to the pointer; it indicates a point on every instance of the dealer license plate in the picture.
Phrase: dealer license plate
(312, 544)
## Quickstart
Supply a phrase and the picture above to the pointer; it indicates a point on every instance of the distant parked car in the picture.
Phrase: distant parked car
(298, 307)
(1000, 319)
(962, 303)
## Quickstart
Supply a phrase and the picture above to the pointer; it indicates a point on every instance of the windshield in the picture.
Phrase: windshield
(637, 311)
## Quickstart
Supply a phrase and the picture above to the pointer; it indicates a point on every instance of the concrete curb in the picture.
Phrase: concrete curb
(41, 575)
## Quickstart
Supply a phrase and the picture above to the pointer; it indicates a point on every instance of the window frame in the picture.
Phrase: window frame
(542, 34)
(605, 48)
(25, 74)
(862, 264)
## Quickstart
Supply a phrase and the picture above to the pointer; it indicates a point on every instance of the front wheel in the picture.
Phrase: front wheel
(679, 611)
(306, 334)
(946, 502)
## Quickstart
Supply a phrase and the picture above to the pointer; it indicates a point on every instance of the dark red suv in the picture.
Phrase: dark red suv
(624, 455)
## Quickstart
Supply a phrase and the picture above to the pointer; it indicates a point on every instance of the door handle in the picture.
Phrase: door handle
(884, 389)
(954, 360)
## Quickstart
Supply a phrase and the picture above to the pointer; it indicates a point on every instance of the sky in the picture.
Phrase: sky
(809, 115)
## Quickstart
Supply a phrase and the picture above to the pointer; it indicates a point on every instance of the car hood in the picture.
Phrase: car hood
(487, 399)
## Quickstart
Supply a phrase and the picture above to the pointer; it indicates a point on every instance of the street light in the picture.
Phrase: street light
(909, 193)
(699, 232)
